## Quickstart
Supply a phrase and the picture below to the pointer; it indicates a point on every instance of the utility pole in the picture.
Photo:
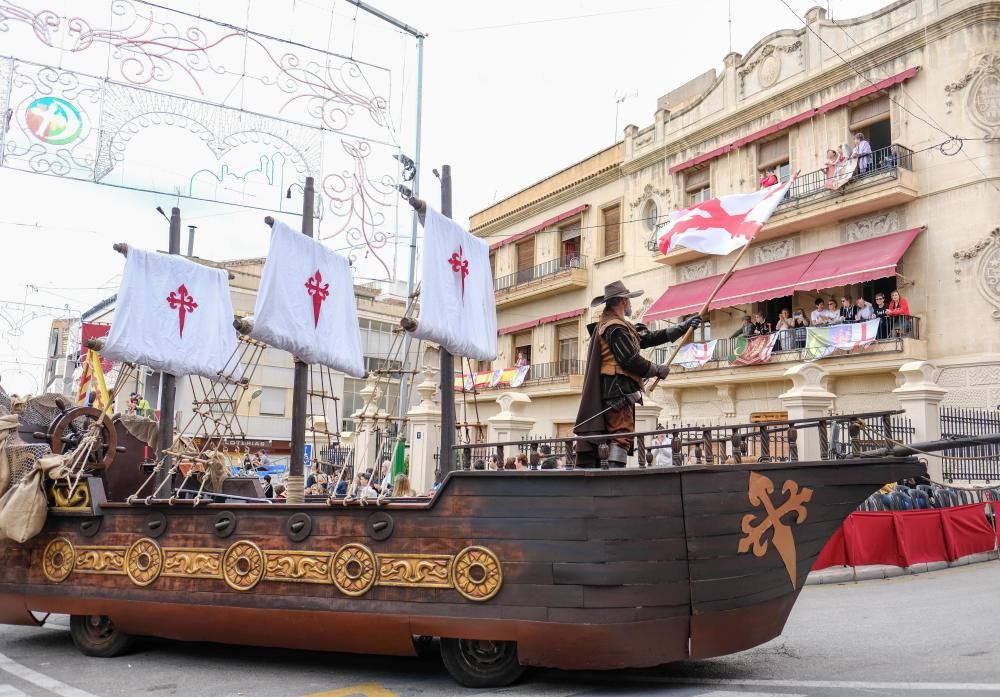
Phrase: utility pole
(447, 461)
(295, 481)
(191, 229)
(168, 383)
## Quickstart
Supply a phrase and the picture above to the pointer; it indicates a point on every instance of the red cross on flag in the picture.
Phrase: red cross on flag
(724, 224)
(172, 314)
(306, 303)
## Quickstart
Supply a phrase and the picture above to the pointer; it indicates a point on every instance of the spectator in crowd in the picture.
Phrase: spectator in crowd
(340, 491)
(760, 325)
(880, 310)
(479, 464)
(311, 479)
(133, 404)
(898, 307)
(268, 489)
(892, 159)
(255, 462)
(863, 311)
(848, 311)
(401, 486)
(549, 461)
(746, 329)
(769, 178)
(831, 314)
(144, 408)
(664, 453)
(862, 153)
(816, 316)
(833, 158)
(799, 324)
(509, 464)
(521, 461)
(279, 491)
(265, 461)
(363, 487)
(495, 463)
(522, 360)
(784, 326)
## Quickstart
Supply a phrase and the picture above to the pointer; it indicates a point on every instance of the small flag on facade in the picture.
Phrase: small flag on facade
(823, 341)
(755, 350)
(695, 355)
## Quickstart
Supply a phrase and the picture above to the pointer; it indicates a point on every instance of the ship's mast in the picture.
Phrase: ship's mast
(168, 383)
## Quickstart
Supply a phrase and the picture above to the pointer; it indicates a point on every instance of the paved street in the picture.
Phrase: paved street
(931, 634)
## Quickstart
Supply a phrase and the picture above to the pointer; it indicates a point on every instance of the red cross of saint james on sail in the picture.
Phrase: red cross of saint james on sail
(460, 265)
(319, 292)
(184, 303)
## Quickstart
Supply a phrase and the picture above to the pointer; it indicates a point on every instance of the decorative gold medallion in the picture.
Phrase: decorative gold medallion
(354, 569)
(476, 573)
(243, 565)
(143, 561)
(759, 491)
(58, 559)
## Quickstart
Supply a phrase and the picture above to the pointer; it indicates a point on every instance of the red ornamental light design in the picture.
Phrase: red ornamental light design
(318, 292)
(460, 265)
(183, 302)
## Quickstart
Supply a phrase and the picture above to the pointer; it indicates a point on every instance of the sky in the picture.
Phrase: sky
(512, 93)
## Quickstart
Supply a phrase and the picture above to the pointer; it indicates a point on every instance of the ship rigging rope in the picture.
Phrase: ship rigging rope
(878, 436)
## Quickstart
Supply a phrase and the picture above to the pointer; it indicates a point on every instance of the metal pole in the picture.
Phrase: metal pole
(447, 463)
(168, 387)
(404, 383)
(295, 481)
(191, 229)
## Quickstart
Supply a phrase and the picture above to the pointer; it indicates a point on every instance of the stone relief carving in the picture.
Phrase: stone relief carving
(769, 62)
(981, 262)
(695, 270)
(648, 191)
(772, 251)
(873, 226)
(982, 100)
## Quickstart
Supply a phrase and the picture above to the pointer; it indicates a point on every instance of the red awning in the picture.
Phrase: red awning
(838, 266)
(541, 320)
(541, 226)
(857, 262)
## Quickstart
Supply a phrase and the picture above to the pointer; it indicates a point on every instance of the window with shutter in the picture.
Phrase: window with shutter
(567, 339)
(772, 153)
(868, 113)
(612, 230)
(569, 245)
(522, 348)
(493, 264)
(525, 260)
(697, 185)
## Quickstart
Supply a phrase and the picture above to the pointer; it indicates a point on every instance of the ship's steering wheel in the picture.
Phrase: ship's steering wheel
(67, 432)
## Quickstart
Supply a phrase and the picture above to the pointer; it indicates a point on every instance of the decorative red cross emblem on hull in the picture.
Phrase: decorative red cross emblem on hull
(319, 292)
(184, 303)
(460, 265)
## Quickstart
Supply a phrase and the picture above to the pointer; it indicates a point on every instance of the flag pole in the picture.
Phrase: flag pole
(704, 310)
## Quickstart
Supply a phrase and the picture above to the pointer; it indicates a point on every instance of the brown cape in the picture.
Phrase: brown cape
(591, 398)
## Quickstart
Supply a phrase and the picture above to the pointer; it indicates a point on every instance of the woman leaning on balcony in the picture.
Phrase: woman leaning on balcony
(899, 313)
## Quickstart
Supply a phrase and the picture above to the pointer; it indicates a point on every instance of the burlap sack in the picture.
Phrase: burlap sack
(24, 507)
(8, 425)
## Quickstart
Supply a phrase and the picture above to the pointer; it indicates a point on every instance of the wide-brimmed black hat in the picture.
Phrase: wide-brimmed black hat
(614, 290)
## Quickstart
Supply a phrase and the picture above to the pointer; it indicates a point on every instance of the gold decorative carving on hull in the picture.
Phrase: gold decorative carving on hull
(143, 561)
(192, 563)
(61, 499)
(93, 559)
(297, 567)
(415, 570)
(243, 565)
(354, 569)
(759, 490)
(477, 573)
(58, 559)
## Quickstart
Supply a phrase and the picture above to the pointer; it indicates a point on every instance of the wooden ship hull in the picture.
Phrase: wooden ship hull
(581, 568)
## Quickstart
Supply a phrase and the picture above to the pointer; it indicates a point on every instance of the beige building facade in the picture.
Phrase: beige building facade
(922, 217)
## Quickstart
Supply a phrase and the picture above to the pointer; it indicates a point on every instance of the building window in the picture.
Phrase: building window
(773, 155)
(493, 264)
(272, 401)
(354, 401)
(612, 242)
(567, 339)
(483, 366)
(651, 214)
(525, 260)
(522, 348)
(697, 186)
(871, 118)
(569, 245)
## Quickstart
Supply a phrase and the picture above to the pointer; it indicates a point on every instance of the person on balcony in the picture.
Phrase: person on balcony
(831, 314)
(898, 314)
(816, 317)
(892, 159)
(745, 329)
(880, 310)
(864, 309)
(615, 372)
(760, 325)
(769, 178)
(848, 310)
(784, 328)
(799, 324)
(862, 153)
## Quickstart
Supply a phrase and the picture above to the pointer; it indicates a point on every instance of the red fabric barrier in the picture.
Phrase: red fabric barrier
(904, 538)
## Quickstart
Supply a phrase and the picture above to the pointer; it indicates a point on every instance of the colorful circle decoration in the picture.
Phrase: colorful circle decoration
(243, 565)
(143, 561)
(476, 573)
(53, 120)
(58, 559)
(353, 569)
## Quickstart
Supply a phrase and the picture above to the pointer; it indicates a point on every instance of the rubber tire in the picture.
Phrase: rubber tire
(110, 644)
(504, 671)
(424, 646)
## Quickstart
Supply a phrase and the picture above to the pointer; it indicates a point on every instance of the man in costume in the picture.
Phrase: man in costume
(615, 373)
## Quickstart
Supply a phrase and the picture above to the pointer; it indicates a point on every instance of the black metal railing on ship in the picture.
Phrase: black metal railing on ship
(839, 436)
(978, 462)
(566, 262)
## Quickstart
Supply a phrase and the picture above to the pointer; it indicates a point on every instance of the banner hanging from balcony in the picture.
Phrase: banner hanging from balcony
(695, 355)
(457, 305)
(754, 350)
(501, 377)
(823, 341)
(724, 224)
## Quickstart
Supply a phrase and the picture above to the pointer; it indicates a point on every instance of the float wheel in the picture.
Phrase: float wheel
(96, 635)
(481, 663)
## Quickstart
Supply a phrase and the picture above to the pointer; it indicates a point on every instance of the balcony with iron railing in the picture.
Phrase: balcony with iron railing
(563, 273)
(567, 372)
(898, 335)
(814, 199)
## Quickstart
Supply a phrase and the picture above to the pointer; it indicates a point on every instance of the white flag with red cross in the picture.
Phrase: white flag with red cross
(172, 314)
(457, 305)
(306, 303)
(724, 224)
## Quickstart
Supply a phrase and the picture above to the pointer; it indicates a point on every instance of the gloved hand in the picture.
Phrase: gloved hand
(658, 370)
(693, 323)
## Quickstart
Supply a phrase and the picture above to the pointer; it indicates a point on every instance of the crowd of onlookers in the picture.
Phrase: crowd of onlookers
(843, 164)
(826, 313)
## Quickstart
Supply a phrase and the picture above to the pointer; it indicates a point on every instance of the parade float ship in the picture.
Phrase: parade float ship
(568, 568)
